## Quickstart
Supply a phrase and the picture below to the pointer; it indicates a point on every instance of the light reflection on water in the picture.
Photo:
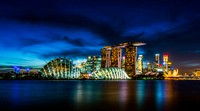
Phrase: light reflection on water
(15, 94)
(123, 92)
(79, 94)
(139, 95)
(160, 94)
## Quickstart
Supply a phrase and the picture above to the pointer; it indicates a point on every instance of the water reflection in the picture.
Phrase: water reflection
(84, 92)
(123, 92)
(170, 95)
(165, 95)
(155, 95)
(79, 92)
(99, 95)
(160, 95)
(140, 93)
(89, 92)
(15, 94)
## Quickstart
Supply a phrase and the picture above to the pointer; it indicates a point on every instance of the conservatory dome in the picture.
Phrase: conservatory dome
(110, 73)
(60, 68)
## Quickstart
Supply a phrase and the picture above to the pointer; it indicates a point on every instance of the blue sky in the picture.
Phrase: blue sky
(32, 32)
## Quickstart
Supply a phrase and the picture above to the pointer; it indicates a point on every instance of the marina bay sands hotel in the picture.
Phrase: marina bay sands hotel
(112, 56)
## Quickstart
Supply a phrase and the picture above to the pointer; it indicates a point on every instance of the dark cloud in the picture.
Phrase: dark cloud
(52, 38)
(73, 53)
(33, 41)
(76, 42)
(80, 42)
(27, 41)
(110, 31)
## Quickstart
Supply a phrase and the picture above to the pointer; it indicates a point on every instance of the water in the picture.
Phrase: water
(54, 95)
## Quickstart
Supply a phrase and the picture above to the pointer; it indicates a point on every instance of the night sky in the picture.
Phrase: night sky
(32, 32)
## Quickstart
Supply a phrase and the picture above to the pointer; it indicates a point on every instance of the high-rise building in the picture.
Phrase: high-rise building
(130, 61)
(116, 57)
(169, 63)
(93, 63)
(106, 53)
(140, 64)
(123, 62)
(149, 67)
(165, 60)
(157, 60)
(112, 57)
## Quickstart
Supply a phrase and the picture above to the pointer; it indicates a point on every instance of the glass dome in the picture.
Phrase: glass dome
(60, 68)
(110, 73)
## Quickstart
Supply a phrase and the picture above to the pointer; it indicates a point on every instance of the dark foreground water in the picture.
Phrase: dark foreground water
(94, 95)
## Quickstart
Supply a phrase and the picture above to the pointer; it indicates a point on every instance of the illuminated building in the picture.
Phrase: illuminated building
(157, 60)
(123, 62)
(168, 70)
(165, 70)
(116, 57)
(130, 61)
(113, 73)
(93, 63)
(112, 57)
(169, 64)
(85, 76)
(157, 66)
(149, 66)
(82, 67)
(131, 56)
(140, 64)
(165, 60)
(106, 53)
(60, 68)
(160, 71)
(197, 72)
(172, 73)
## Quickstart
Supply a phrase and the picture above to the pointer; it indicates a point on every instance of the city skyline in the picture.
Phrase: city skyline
(34, 32)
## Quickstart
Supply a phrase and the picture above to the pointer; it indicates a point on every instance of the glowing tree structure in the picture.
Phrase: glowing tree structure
(16, 69)
(27, 70)
(113, 73)
(60, 68)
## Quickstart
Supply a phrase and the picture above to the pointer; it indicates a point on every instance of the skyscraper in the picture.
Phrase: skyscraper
(106, 53)
(157, 60)
(130, 60)
(93, 63)
(165, 60)
(112, 57)
(116, 57)
(140, 63)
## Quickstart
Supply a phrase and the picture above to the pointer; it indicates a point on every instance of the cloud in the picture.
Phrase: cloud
(73, 53)
(110, 31)
(26, 41)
